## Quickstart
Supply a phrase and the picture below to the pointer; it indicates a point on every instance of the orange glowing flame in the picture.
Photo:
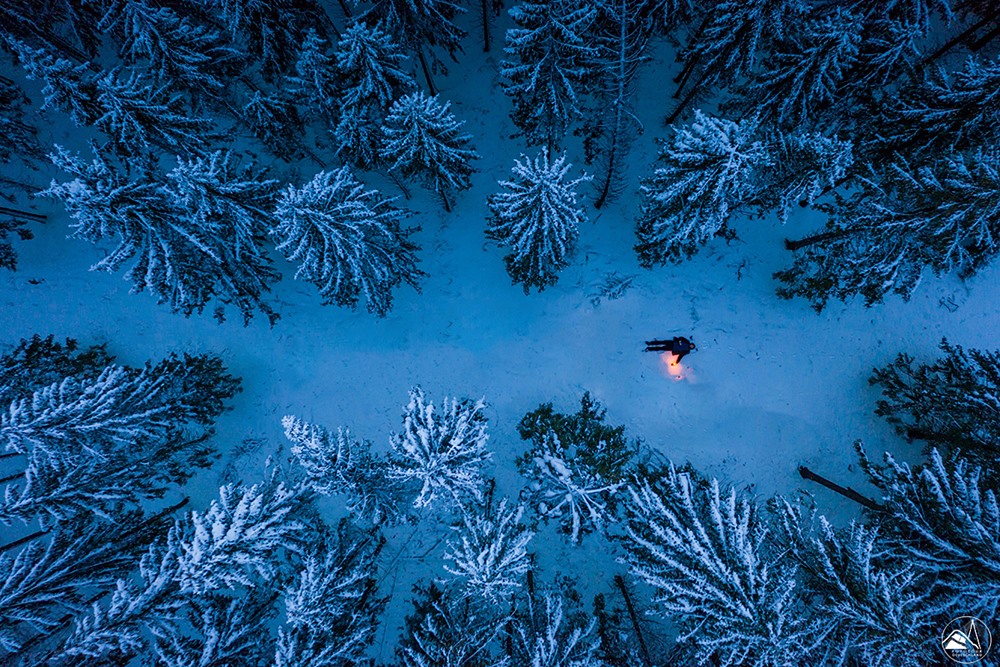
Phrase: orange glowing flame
(674, 368)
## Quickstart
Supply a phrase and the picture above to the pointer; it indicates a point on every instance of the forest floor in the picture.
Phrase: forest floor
(772, 386)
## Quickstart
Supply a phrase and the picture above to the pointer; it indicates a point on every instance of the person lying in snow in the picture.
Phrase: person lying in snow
(679, 346)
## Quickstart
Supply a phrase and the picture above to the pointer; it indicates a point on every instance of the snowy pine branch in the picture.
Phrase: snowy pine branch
(705, 550)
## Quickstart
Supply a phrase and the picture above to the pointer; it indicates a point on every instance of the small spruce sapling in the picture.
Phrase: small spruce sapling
(537, 216)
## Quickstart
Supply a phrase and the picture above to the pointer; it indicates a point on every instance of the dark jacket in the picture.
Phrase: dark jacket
(681, 345)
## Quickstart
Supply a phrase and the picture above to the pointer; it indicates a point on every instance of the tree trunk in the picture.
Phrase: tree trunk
(16, 213)
(847, 492)
(682, 78)
(486, 25)
(19, 184)
(816, 238)
(24, 540)
(602, 197)
(431, 88)
(399, 184)
(985, 39)
(620, 582)
(683, 103)
(954, 41)
(11, 478)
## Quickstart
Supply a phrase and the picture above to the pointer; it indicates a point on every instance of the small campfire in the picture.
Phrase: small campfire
(674, 367)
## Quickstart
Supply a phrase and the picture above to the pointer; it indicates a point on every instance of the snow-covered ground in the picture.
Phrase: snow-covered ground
(772, 386)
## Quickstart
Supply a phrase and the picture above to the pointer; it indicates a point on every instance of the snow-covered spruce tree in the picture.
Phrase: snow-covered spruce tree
(953, 402)
(338, 463)
(215, 193)
(706, 552)
(804, 166)
(537, 216)
(218, 629)
(875, 606)
(576, 466)
(489, 553)
(71, 28)
(707, 171)
(348, 241)
(714, 169)
(137, 117)
(140, 602)
(418, 23)
(36, 362)
(370, 67)
(93, 441)
(901, 222)
(240, 547)
(548, 637)
(550, 64)
(18, 138)
(185, 248)
(269, 31)
(316, 82)
(358, 137)
(331, 606)
(622, 35)
(215, 188)
(805, 75)
(440, 454)
(51, 574)
(946, 111)
(422, 138)
(65, 86)
(238, 538)
(946, 518)
(180, 53)
(449, 631)
(275, 121)
(731, 37)
(131, 112)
